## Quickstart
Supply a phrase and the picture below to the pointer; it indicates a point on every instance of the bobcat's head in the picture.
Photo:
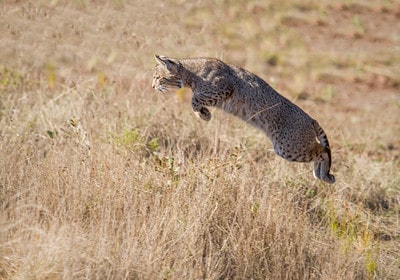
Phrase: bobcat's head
(166, 74)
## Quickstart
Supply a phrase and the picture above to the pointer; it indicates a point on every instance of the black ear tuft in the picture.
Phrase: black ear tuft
(166, 62)
(159, 59)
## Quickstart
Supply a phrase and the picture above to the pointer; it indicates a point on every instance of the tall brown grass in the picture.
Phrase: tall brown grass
(102, 178)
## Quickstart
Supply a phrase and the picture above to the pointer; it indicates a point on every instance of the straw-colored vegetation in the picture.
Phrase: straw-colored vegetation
(103, 178)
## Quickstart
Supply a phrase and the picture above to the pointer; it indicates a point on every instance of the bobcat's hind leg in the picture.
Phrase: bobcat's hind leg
(317, 170)
(322, 167)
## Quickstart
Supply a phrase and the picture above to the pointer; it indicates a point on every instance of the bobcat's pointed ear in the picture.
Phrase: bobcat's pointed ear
(166, 62)
(160, 59)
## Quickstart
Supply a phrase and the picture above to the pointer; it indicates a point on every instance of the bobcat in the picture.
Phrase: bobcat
(294, 134)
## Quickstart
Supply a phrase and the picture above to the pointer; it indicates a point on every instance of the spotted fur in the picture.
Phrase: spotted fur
(294, 134)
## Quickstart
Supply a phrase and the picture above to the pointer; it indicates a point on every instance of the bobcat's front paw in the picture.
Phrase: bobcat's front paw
(203, 114)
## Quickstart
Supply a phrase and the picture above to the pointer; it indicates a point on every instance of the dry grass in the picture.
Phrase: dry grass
(102, 178)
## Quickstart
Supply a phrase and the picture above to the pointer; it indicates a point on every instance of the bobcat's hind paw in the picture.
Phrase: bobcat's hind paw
(329, 178)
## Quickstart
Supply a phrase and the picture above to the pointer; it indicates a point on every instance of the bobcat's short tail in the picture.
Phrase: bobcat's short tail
(323, 140)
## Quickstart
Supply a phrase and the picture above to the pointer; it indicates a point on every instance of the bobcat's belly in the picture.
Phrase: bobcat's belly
(302, 155)
(294, 144)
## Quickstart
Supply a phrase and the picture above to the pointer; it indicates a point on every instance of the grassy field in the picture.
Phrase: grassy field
(103, 178)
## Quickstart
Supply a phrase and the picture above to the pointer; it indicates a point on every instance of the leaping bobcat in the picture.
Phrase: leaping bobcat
(294, 134)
